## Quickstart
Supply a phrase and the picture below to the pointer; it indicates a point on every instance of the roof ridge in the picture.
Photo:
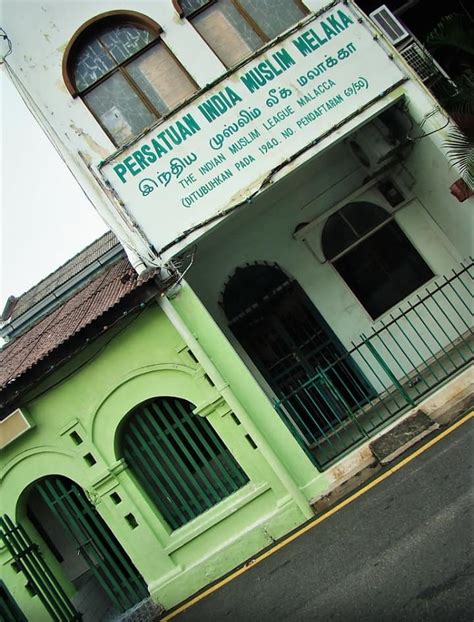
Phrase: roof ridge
(68, 261)
(88, 298)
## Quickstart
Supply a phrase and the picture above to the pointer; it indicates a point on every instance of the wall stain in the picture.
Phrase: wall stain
(91, 143)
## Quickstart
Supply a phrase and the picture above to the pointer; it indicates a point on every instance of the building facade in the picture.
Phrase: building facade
(278, 182)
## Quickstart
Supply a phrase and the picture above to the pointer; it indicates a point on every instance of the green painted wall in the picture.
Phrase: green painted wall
(143, 358)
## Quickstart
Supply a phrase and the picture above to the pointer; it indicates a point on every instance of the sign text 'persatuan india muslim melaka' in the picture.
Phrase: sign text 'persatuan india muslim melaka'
(214, 152)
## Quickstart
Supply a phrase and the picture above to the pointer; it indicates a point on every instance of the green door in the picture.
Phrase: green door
(293, 347)
(97, 545)
(41, 581)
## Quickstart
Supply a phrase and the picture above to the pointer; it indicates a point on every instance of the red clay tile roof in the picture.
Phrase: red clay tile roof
(73, 266)
(88, 304)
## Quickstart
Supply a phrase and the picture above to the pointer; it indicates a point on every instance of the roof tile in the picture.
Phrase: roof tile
(87, 305)
(73, 266)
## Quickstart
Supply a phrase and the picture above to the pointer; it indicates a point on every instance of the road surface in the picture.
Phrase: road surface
(401, 551)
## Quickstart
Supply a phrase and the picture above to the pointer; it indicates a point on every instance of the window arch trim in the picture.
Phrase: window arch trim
(178, 8)
(181, 13)
(389, 216)
(86, 29)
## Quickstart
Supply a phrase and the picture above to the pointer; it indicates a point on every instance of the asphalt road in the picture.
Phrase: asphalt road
(402, 551)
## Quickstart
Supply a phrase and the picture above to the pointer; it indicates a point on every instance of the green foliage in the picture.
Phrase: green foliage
(456, 32)
(461, 153)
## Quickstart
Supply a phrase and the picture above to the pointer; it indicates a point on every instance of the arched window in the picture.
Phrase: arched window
(125, 74)
(178, 458)
(235, 28)
(373, 256)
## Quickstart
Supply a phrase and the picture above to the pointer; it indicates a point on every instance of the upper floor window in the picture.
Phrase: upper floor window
(235, 28)
(373, 256)
(125, 74)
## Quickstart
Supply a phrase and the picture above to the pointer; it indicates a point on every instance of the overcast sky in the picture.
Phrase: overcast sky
(45, 217)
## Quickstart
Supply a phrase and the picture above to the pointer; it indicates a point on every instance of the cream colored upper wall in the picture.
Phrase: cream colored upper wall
(38, 45)
(40, 32)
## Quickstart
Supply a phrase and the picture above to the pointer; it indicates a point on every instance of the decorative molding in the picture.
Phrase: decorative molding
(216, 405)
(118, 467)
(69, 426)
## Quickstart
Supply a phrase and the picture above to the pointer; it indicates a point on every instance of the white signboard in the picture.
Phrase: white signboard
(217, 150)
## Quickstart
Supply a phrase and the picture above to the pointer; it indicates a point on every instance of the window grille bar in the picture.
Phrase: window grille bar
(456, 311)
(209, 491)
(454, 346)
(34, 566)
(29, 560)
(430, 332)
(162, 451)
(411, 343)
(58, 503)
(105, 558)
(150, 477)
(460, 336)
(196, 426)
(185, 462)
(129, 579)
(376, 373)
(179, 459)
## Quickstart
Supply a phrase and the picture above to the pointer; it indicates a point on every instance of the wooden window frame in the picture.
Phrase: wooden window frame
(95, 25)
(250, 21)
(360, 240)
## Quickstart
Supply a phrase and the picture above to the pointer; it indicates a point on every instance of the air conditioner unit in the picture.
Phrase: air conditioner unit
(389, 25)
(420, 61)
(374, 145)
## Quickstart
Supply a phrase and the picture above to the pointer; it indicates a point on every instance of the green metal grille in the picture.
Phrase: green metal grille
(179, 459)
(41, 580)
(95, 542)
(408, 353)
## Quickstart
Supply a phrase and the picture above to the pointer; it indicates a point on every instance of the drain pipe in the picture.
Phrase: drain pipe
(229, 396)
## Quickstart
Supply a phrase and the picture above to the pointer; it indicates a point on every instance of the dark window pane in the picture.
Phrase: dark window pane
(273, 16)
(119, 109)
(337, 236)
(250, 286)
(92, 62)
(383, 269)
(179, 459)
(291, 345)
(364, 217)
(124, 40)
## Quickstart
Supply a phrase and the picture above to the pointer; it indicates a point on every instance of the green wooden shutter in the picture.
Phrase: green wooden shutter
(179, 459)
(104, 555)
(28, 559)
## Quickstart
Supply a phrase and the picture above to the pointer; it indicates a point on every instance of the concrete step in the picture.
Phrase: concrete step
(389, 446)
(384, 449)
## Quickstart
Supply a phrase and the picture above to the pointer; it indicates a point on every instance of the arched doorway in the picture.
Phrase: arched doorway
(89, 555)
(293, 347)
